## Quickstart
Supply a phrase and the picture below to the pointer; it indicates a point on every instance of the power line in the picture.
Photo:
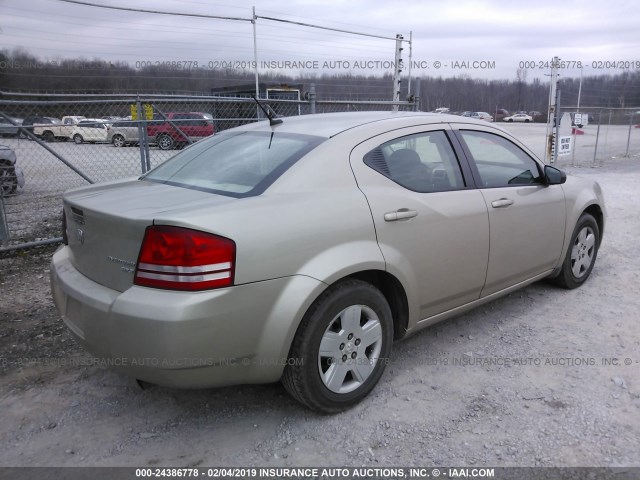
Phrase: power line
(159, 12)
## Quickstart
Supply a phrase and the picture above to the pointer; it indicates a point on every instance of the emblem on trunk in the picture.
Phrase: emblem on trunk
(125, 265)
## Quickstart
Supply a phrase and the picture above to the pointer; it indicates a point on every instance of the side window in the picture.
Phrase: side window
(423, 162)
(500, 163)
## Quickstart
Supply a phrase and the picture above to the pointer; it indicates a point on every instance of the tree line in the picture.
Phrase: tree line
(20, 71)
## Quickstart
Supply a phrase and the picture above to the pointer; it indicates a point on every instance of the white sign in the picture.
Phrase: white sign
(580, 119)
(564, 146)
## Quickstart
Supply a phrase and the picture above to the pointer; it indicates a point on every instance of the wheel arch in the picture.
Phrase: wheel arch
(393, 292)
(390, 287)
(596, 212)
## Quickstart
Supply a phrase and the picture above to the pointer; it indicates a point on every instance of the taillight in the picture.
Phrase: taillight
(177, 258)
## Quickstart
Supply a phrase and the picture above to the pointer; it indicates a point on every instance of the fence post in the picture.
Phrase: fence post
(629, 134)
(595, 150)
(141, 137)
(312, 98)
(416, 97)
(4, 227)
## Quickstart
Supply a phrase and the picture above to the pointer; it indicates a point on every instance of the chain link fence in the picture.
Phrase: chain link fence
(58, 142)
(600, 135)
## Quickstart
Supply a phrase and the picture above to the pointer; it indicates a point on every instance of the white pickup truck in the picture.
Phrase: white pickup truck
(58, 131)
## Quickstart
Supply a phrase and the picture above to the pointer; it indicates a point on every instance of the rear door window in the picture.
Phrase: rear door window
(422, 162)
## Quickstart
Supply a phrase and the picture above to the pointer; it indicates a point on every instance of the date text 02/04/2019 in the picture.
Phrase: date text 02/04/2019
(578, 64)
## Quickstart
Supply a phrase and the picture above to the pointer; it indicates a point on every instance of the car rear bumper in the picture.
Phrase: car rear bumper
(220, 337)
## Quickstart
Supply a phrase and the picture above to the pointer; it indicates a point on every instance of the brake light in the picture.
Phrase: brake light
(177, 258)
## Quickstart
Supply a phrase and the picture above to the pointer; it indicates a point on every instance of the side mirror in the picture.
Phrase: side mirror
(554, 176)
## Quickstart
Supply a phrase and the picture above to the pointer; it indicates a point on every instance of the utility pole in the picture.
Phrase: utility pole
(551, 119)
(398, 71)
(254, 20)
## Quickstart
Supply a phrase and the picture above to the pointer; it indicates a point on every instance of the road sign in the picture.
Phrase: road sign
(580, 119)
(564, 146)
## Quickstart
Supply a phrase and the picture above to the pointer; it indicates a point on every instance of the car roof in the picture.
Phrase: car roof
(331, 124)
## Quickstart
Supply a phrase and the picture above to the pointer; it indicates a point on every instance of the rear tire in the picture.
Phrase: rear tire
(77, 138)
(582, 253)
(48, 136)
(118, 141)
(165, 142)
(341, 348)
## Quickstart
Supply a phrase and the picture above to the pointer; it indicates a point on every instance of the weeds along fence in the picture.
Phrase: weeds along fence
(61, 142)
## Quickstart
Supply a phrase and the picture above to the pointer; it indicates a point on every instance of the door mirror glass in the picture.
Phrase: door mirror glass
(554, 176)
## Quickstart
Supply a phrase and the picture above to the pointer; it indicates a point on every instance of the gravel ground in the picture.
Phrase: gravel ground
(542, 377)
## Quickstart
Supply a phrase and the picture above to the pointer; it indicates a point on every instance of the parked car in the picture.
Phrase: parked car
(300, 251)
(500, 113)
(518, 117)
(190, 126)
(466, 113)
(8, 129)
(62, 129)
(11, 176)
(482, 116)
(29, 122)
(123, 132)
(92, 130)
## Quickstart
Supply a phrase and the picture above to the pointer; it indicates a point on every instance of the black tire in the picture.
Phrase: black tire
(118, 141)
(48, 136)
(527, 120)
(8, 179)
(165, 142)
(328, 383)
(77, 138)
(581, 254)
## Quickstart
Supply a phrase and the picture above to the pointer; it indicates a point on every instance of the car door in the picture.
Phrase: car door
(97, 132)
(526, 216)
(431, 224)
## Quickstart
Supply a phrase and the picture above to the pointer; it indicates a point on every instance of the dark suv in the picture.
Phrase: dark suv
(190, 126)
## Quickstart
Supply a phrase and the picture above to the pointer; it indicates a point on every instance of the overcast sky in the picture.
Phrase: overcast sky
(482, 39)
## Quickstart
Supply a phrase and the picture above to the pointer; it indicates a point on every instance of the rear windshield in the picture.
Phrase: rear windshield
(238, 164)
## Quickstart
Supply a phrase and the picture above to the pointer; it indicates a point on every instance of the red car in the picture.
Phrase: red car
(179, 128)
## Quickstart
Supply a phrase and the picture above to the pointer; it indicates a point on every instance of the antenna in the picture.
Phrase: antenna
(270, 115)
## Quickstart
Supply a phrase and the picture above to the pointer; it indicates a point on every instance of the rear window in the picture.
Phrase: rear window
(238, 164)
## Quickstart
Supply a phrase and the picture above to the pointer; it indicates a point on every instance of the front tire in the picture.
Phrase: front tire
(77, 138)
(341, 347)
(582, 253)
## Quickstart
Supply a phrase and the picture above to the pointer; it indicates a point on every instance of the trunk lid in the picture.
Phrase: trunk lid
(106, 224)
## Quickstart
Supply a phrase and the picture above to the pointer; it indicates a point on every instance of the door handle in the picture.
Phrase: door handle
(502, 203)
(401, 214)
